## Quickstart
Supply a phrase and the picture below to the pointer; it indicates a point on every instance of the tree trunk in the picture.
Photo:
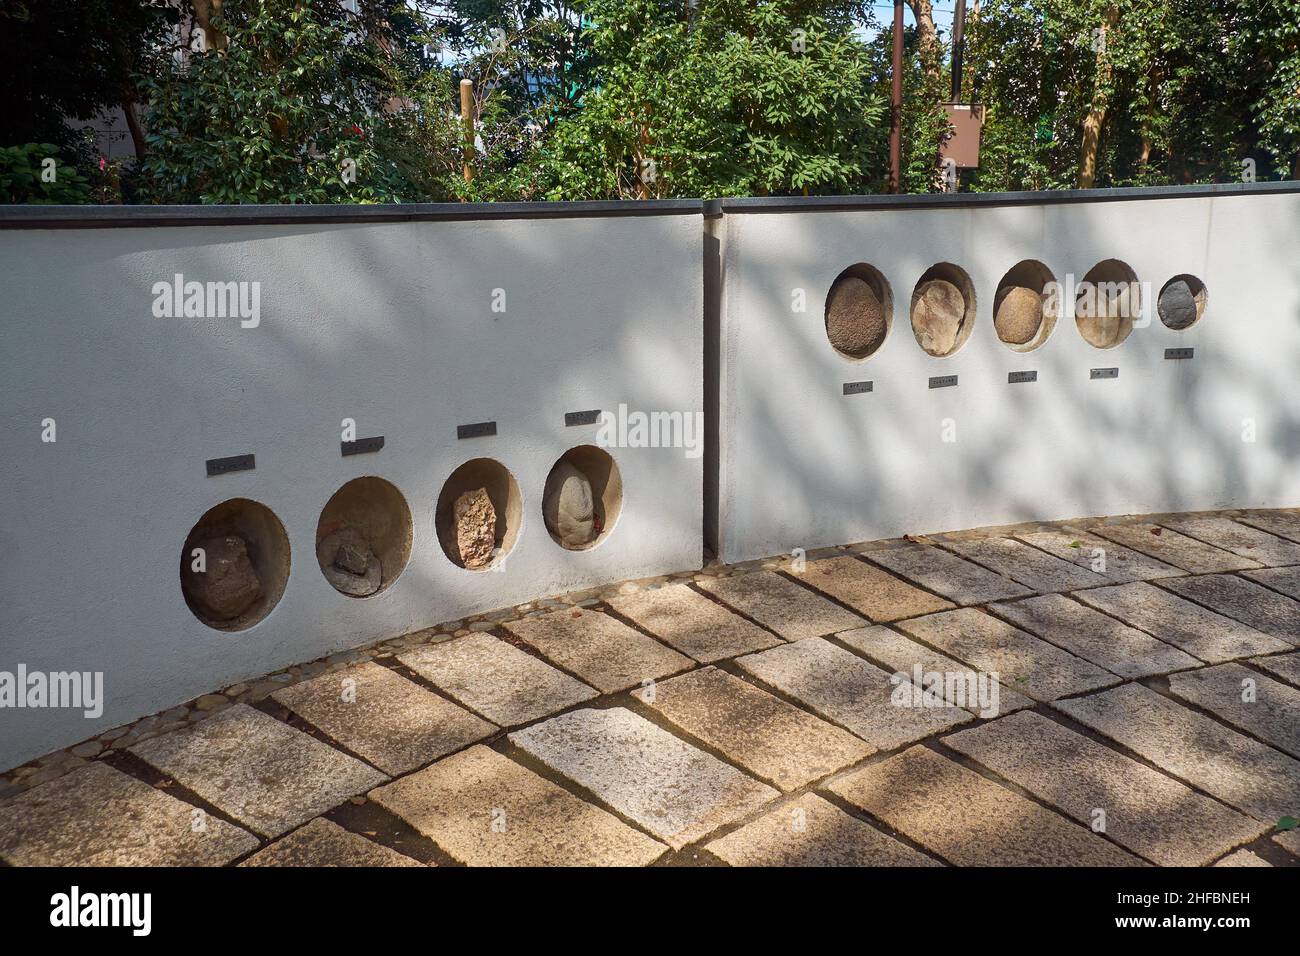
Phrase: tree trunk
(927, 40)
(204, 12)
(133, 124)
(1097, 115)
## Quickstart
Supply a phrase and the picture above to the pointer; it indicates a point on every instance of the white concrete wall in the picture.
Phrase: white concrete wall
(802, 465)
(389, 324)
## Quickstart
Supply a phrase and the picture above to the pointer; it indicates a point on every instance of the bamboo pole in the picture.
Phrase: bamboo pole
(467, 120)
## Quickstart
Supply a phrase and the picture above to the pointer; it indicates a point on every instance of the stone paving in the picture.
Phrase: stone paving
(775, 713)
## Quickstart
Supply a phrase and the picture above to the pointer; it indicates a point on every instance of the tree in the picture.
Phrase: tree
(717, 98)
(298, 103)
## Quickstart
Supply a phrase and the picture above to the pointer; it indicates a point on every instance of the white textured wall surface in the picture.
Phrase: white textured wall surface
(802, 465)
(389, 324)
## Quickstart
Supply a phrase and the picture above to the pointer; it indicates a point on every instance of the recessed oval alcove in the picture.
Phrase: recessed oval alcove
(478, 515)
(1107, 302)
(582, 498)
(859, 311)
(363, 537)
(234, 564)
(943, 309)
(1026, 306)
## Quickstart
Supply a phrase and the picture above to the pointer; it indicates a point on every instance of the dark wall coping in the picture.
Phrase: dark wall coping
(99, 217)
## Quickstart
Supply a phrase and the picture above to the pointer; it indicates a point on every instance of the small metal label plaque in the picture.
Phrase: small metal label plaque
(224, 466)
(1178, 353)
(362, 445)
(476, 430)
(1014, 378)
(943, 381)
(582, 418)
(1104, 373)
(856, 388)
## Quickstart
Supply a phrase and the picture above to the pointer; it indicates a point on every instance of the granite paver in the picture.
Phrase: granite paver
(1222, 532)
(1094, 636)
(677, 792)
(792, 611)
(852, 692)
(901, 655)
(811, 831)
(869, 590)
(968, 819)
(1242, 772)
(1173, 548)
(1112, 561)
(1030, 665)
(1027, 565)
(1174, 620)
(1284, 524)
(1285, 666)
(1145, 811)
(381, 716)
(601, 650)
(99, 816)
(692, 623)
(1265, 708)
(773, 740)
(1243, 600)
(325, 843)
(483, 809)
(504, 684)
(1284, 580)
(265, 774)
(946, 574)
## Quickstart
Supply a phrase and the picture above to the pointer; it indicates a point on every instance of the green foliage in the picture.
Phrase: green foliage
(25, 177)
(293, 101)
(717, 99)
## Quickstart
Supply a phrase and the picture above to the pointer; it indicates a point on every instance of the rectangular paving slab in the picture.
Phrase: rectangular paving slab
(1094, 636)
(844, 688)
(968, 819)
(869, 590)
(692, 623)
(265, 774)
(677, 792)
(1174, 548)
(600, 649)
(1112, 561)
(1026, 565)
(1198, 631)
(775, 601)
(811, 831)
(1243, 600)
(776, 741)
(504, 684)
(1241, 772)
(1284, 524)
(1145, 811)
(1252, 543)
(956, 579)
(324, 843)
(1243, 857)
(1283, 580)
(381, 716)
(1020, 660)
(899, 654)
(484, 809)
(98, 816)
(1248, 700)
(1285, 666)
(1289, 840)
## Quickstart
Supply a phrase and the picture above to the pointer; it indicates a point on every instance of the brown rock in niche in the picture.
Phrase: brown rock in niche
(228, 586)
(855, 317)
(1019, 316)
(938, 308)
(349, 563)
(476, 528)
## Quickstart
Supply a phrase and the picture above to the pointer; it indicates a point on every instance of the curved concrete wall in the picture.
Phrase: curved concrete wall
(803, 465)
(389, 323)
